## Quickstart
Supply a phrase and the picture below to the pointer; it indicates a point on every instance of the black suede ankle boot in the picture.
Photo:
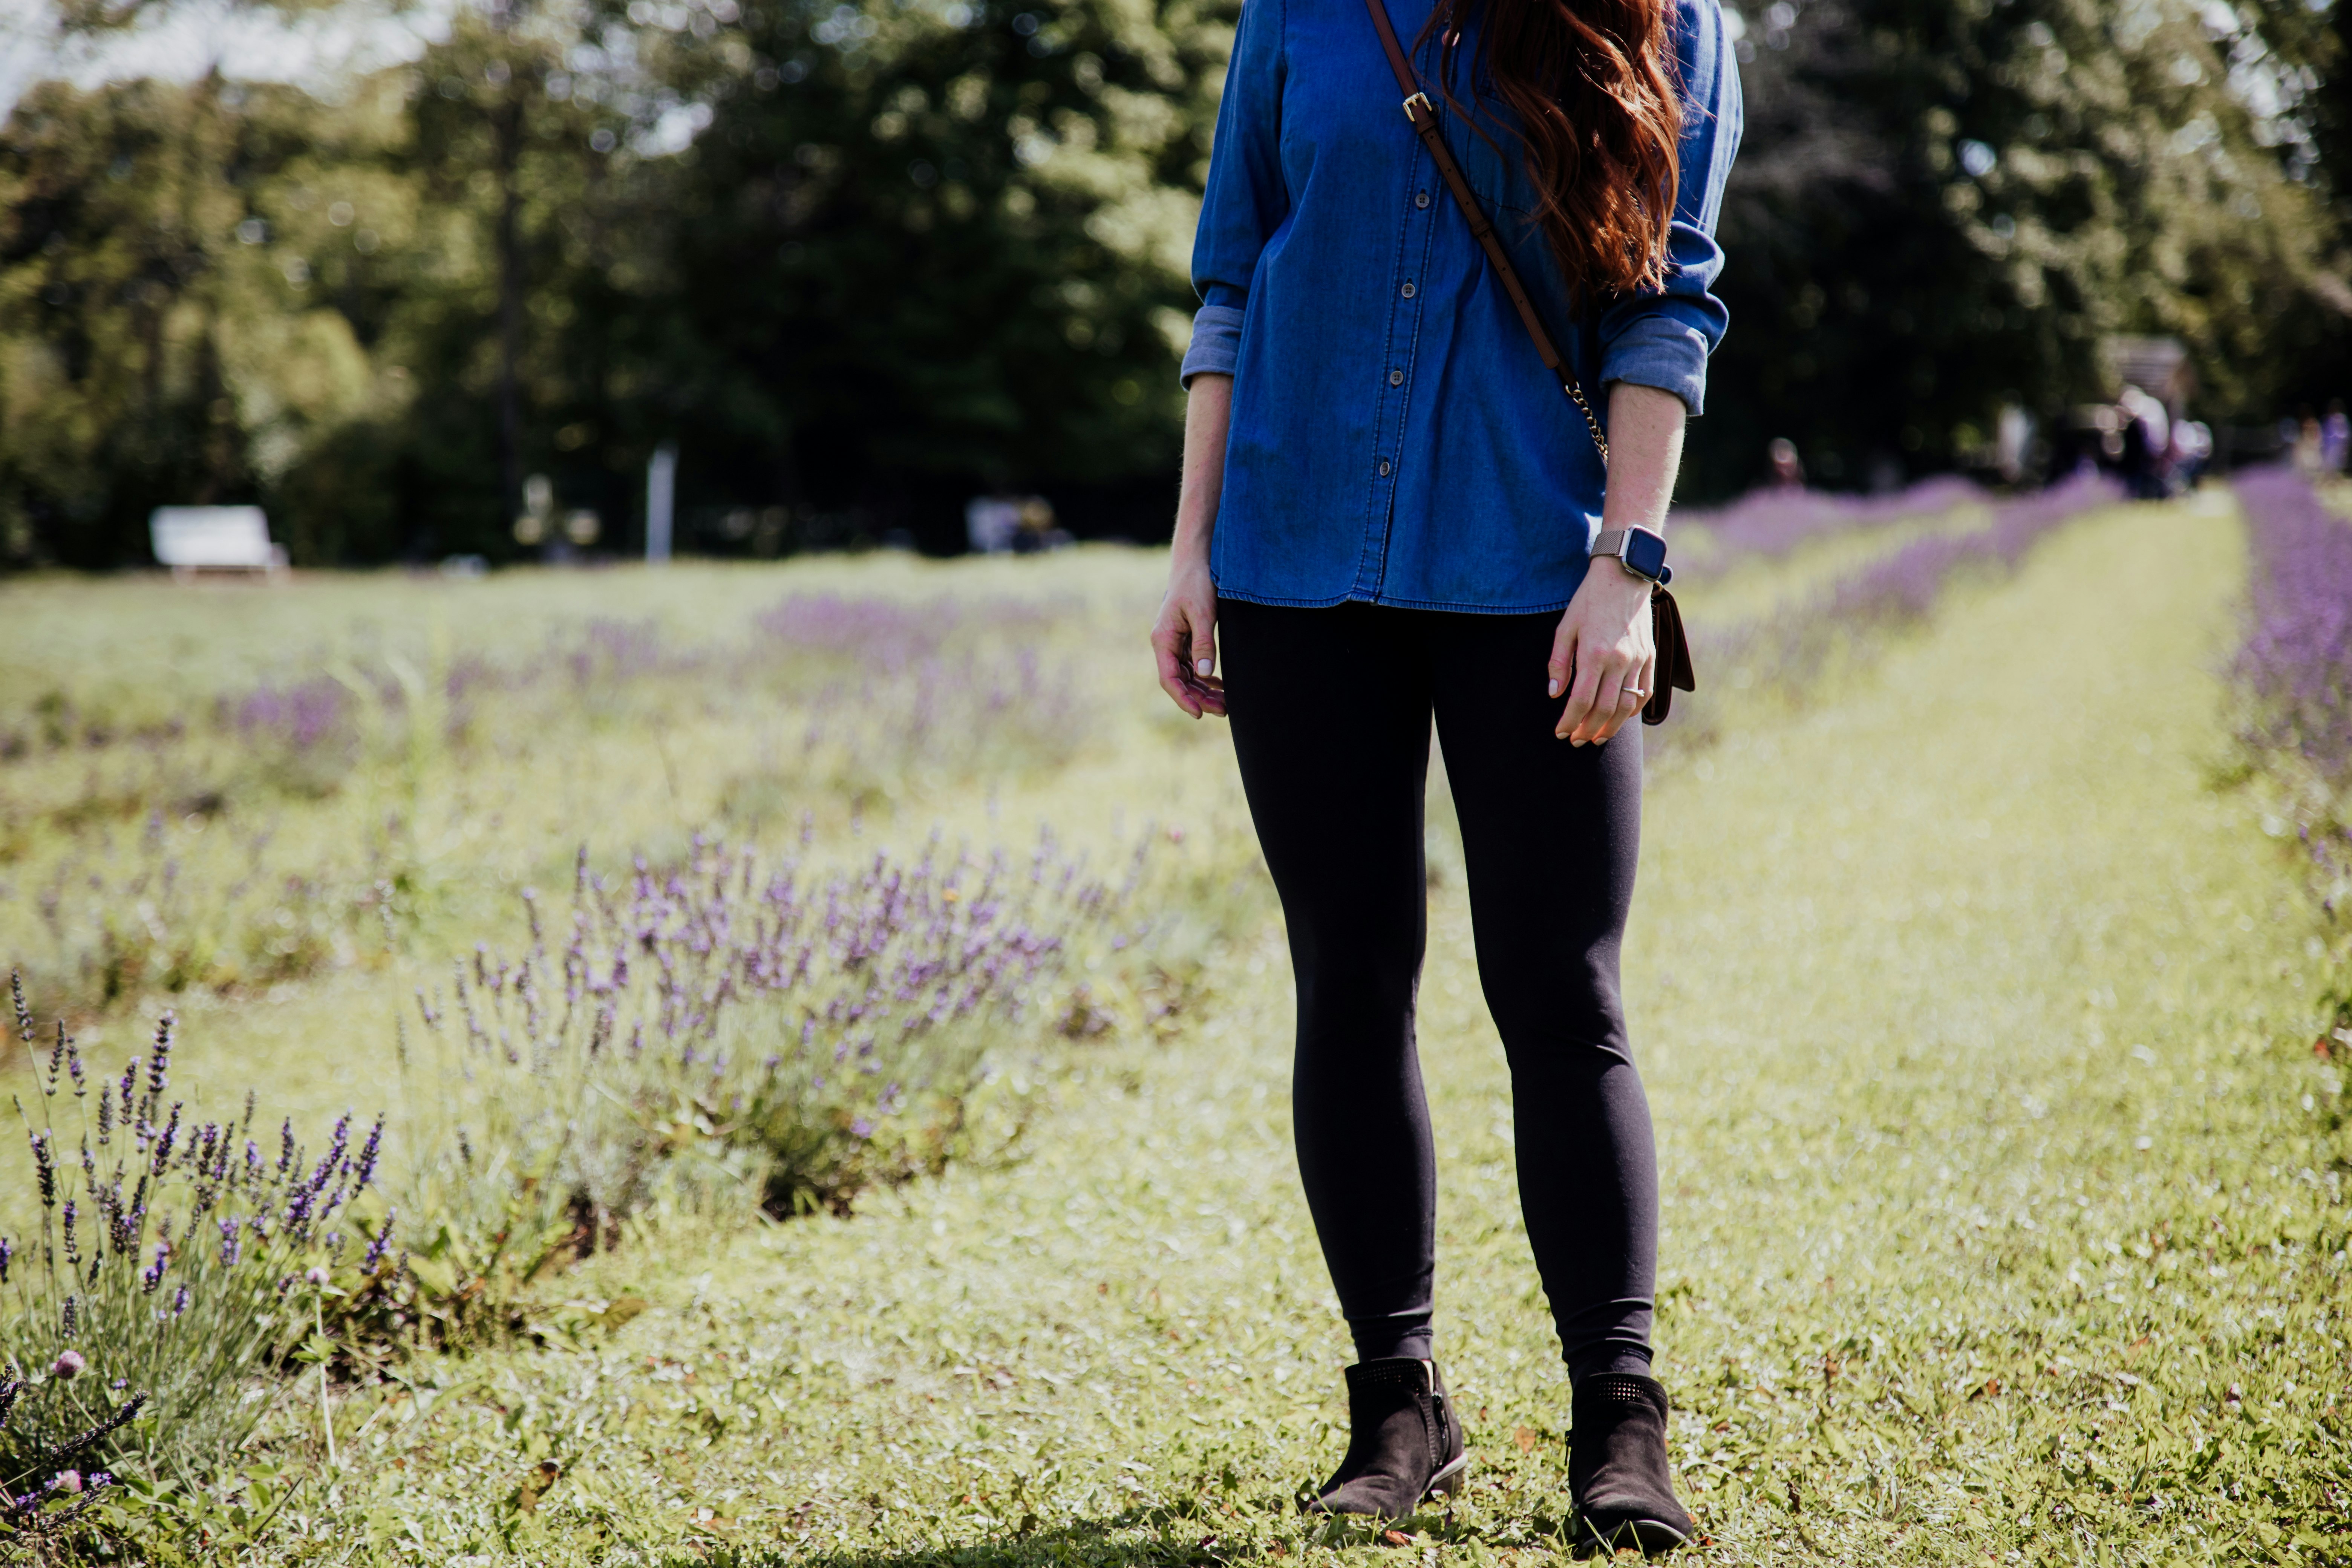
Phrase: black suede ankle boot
(1404, 1444)
(1617, 1468)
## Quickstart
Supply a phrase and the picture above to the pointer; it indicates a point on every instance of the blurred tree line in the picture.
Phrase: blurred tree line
(861, 261)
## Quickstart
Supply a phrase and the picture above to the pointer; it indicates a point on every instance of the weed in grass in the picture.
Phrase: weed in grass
(44, 1498)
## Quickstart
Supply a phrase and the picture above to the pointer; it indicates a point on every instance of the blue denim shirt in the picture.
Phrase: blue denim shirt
(1395, 438)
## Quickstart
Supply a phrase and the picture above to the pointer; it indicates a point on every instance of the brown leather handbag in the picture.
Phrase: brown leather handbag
(1673, 672)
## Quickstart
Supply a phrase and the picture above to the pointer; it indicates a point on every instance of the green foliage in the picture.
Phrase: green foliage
(910, 255)
(863, 261)
(927, 246)
(149, 355)
(1941, 207)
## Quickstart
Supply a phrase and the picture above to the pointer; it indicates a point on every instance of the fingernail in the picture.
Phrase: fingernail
(1555, 689)
(1204, 666)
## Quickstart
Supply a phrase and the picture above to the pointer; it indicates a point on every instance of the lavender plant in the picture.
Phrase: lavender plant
(1784, 655)
(183, 1261)
(724, 1020)
(2294, 666)
(1769, 523)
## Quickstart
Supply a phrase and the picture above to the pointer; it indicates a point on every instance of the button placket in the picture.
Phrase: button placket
(1409, 289)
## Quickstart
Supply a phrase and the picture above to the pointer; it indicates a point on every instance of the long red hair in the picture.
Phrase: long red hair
(1591, 84)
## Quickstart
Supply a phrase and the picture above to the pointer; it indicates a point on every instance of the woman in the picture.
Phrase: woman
(1386, 514)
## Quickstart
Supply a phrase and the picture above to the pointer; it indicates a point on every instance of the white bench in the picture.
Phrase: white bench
(192, 539)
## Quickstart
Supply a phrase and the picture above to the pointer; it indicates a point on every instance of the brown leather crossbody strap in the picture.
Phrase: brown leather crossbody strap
(1423, 115)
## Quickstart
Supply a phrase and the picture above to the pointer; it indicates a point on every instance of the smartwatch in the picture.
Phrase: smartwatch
(1637, 550)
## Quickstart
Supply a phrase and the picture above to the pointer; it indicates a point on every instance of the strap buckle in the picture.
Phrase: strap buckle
(1426, 107)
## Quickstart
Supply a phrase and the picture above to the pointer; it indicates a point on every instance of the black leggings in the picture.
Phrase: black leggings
(1330, 711)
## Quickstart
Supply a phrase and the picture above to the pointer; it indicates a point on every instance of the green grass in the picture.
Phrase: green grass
(2004, 1209)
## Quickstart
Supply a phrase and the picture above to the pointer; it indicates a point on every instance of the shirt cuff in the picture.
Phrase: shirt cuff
(1216, 342)
(1654, 350)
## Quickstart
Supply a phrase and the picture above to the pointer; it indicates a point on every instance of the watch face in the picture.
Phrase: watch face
(1645, 553)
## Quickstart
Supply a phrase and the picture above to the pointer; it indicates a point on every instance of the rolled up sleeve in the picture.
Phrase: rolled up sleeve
(1245, 199)
(1662, 338)
(1216, 342)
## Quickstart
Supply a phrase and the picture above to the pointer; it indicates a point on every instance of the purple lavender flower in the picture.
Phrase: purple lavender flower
(163, 1142)
(69, 1364)
(381, 1244)
(153, 1276)
(180, 1301)
(2296, 661)
(300, 717)
(45, 1163)
(368, 1150)
(159, 1066)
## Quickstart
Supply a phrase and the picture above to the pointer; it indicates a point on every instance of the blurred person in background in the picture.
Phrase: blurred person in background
(2192, 450)
(1788, 468)
(2335, 438)
(2304, 442)
(1389, 512)
(2147, 432)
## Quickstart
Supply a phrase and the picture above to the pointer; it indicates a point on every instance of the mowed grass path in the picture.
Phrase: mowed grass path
(2003, 1217)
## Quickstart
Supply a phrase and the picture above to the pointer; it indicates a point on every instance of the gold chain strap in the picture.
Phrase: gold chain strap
(1577, 393)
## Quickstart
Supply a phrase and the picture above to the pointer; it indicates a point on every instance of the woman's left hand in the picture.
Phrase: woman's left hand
(1604, 655)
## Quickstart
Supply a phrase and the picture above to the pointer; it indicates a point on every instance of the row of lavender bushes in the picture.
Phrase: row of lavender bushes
(1766, 524)
(176, 876)
(726, 1030)
(1785, 654)
(2295, 669)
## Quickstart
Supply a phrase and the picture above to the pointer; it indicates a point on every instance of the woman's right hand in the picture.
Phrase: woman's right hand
(1185, 640)
(1184, 637)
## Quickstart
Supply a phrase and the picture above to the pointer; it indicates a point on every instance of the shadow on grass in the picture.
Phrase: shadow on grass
(1156, 1537)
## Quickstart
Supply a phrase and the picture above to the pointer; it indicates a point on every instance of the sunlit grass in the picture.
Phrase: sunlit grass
(1998, 1226)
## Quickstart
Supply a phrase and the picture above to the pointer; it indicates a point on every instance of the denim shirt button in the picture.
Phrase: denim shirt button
(1421, 198)
(1396, 378)
(1409, 291)
(1384, 467)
